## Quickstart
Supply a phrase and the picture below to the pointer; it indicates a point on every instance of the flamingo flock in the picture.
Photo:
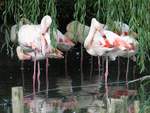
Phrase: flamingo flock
(35, 44)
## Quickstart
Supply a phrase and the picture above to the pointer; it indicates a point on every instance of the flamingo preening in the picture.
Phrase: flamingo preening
(64, 44)
(101, 42)
(128, 36)
(78, 32)
(75, 32)
(34, 43)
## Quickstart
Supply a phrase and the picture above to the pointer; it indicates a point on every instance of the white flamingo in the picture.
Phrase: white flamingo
(34, 43)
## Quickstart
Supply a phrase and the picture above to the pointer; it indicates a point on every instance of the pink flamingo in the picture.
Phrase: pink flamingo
(78, 32)
(64, 44)
(35, 44)
(80, 36)
(128, 37)
(100, 42)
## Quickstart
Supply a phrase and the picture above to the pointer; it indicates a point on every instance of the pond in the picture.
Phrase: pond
(17, 73)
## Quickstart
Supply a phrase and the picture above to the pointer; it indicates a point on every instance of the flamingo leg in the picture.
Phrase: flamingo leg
(103, 63)
(106, 76)
(34, 77)
(66, 67)
(81, 65)
(134, 71)
(99, 68)
(127, 71)
(106, 87)
(47, 81)
(118, 74)
(91, 70)
(22, 73)
(38, 76)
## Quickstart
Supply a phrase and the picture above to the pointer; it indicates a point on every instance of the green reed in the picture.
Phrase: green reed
(79, 15)
(135, 13)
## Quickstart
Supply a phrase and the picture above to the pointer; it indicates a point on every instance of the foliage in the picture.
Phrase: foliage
(135, 13)
(144, 97)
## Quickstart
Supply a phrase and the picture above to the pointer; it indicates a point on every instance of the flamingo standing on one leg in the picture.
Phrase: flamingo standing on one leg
(128, 37)
(35, 39)
(78, 32)
(130, 52)
(80, 37)
(101, 42)
(64, 44)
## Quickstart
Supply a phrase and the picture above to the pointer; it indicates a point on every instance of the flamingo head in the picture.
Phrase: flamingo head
(45, 23)
(97, 25)
(65, 43)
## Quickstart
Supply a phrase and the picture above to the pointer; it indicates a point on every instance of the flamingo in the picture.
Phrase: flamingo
(64, 44)
(128, 37)
(78, 32)
(34, 43)
(101, 42)
(15, 29)
(79, 36)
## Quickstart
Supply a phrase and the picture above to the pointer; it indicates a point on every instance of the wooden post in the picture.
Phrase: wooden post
(17, 100)
(136, 106)
(125, 104)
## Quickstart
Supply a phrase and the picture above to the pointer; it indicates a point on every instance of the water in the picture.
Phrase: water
(13, 74)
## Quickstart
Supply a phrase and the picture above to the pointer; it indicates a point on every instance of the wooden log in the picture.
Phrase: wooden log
(17, 100)
(118, 105)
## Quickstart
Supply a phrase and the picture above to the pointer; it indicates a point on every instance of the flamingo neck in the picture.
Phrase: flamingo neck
(89, 39)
